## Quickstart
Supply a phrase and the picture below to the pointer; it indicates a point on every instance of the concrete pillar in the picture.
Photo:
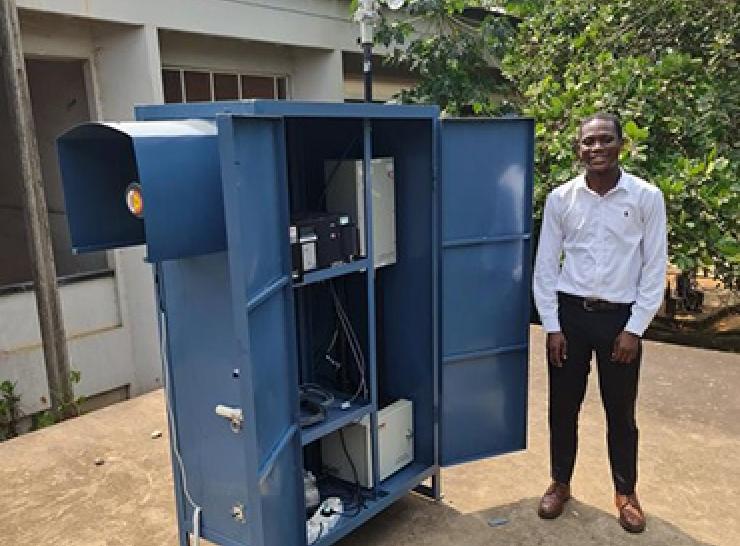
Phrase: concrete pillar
(317, 75)
(128, 72)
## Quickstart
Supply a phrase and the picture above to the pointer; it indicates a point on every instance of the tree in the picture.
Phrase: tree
(667, 67)
(453, 47)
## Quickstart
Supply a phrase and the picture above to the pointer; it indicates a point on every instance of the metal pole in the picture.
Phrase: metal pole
(367, 16)
(37, 221)
(367, 69)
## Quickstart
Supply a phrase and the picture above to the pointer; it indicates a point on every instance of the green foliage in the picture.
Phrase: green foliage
(669, 69)
(451, 55)
(9, 410)
(65, 410)
(43, 420)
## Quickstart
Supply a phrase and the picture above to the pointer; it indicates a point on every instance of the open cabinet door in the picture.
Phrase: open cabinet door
(257, 228)
(485, 168)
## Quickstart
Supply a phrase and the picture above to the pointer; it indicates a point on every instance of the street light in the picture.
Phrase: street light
(367, 16)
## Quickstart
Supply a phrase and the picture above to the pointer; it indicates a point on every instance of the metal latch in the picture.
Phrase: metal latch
(237, 512)
(234, 415)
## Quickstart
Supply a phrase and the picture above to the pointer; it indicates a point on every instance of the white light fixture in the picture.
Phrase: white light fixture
(367, 15)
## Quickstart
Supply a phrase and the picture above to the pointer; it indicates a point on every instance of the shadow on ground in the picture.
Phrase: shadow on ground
(416, 521)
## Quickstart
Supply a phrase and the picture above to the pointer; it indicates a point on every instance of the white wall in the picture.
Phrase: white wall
(111, 322)
(230, 55)
(305, 23)
(318, 75)
(313, 74)
(99, 347)
(128, 73)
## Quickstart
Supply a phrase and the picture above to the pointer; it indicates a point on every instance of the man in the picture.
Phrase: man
(600, 298)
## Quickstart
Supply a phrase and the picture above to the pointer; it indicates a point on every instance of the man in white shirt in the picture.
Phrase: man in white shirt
(601, 297)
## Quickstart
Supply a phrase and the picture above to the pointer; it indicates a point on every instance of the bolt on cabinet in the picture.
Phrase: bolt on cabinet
(444, 326)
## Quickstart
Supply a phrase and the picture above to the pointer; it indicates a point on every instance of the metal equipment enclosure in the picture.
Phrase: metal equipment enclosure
(445, 326)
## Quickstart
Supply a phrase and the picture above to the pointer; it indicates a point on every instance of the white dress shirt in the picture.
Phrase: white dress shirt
(615, 249)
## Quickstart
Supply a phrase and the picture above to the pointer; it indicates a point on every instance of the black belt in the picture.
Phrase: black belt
(592, 304)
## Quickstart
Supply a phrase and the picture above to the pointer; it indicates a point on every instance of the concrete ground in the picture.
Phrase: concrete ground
(53, 493)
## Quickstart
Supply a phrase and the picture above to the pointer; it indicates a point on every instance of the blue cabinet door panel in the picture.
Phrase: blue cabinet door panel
(486, 186)
(503, 402)
(486, 177)
(256, 211)
(479, 273)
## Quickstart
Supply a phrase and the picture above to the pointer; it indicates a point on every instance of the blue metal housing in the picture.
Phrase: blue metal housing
(176, 163)
(446, 326)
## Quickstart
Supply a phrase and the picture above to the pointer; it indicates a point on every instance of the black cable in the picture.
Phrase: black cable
(353, 342)
(315, 412)
(314, 390)
(358, 505)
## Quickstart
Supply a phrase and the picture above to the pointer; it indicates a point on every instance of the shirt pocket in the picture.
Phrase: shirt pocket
(623, 223)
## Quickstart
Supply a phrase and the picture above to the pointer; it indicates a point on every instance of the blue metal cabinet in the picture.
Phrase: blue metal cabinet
(446, 326)
(486, 173)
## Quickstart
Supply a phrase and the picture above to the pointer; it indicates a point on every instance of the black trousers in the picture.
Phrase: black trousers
(587, 332)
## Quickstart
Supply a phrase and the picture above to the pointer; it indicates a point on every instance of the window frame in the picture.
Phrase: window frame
(181, 70)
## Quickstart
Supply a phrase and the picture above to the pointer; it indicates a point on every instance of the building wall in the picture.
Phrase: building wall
(110, 321)
(323, 24)
(123, 46)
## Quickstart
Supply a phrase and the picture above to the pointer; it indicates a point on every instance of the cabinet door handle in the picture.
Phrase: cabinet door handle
(234, 415)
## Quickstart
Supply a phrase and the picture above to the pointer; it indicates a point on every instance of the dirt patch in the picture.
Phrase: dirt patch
(716, 326)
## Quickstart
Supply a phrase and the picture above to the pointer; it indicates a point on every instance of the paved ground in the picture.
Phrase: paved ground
(52, 493)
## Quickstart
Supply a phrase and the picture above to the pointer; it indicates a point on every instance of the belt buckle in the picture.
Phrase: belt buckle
(587, 304)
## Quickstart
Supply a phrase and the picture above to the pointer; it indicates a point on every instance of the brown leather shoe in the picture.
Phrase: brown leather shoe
(631, 517)
(553, 501)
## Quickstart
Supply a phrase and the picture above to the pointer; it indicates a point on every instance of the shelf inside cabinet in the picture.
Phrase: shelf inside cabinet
(389, 491)
(336, 418)
(332, 272)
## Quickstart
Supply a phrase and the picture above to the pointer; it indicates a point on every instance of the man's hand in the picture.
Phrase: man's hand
(625, 347)
(556, 349)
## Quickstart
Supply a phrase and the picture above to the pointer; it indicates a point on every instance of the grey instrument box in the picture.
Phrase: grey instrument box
(395, 445)
(346, 194)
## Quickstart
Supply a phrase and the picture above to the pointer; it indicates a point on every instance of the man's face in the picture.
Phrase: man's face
(599, 146)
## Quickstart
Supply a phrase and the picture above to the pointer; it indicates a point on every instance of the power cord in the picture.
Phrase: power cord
(197, 510)
(353, 342)
(325, 398)
(359, 505)
(315, 401)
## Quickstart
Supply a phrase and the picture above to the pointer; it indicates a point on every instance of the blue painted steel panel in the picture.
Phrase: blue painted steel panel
(180, 181)
(202, 352)
(486, 178)
(484, 403)
(273, 108)
(407, 298)
(230, 317)
(491, 280)
(256, 209)
(177, 165)
(96, 162)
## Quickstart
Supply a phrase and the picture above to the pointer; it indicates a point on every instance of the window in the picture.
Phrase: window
(198, 86)
(172, 86)
(225, 86)
(258, 87)
(59, 100)
(182, 85)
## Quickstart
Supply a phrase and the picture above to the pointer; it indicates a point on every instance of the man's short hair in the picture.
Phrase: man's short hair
(606, 116)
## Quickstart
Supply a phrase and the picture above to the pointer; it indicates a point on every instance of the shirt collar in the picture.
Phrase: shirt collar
(622, 183)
